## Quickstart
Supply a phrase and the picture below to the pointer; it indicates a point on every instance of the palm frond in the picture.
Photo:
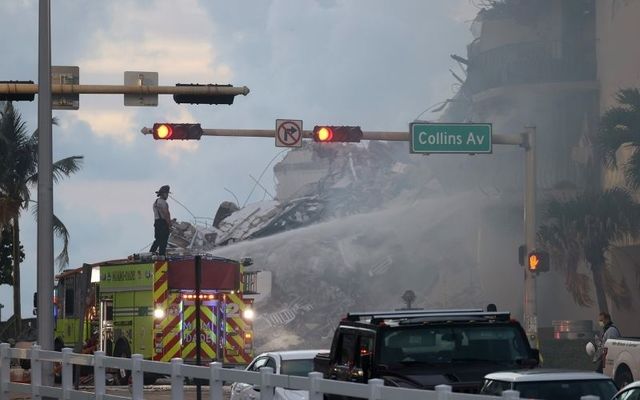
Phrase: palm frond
(579, 285)
(632, 170)
(629, 97)
(61, 169)
(60, 230)
(617, 290)
(619, 125)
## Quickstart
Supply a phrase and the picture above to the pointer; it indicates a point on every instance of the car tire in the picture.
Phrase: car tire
(623, 376)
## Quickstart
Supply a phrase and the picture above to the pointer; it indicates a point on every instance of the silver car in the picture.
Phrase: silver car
(293, 362)
(629, 392)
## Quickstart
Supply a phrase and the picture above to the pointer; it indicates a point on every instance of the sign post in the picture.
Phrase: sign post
(429, 138)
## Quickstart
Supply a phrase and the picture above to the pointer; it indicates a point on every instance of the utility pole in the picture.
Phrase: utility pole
(530, 305)
(45, 190)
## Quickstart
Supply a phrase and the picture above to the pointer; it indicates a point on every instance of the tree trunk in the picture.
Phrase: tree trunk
(17, 309)
(598, 282)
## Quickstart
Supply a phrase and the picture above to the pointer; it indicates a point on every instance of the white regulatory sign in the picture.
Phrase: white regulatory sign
(288, 133)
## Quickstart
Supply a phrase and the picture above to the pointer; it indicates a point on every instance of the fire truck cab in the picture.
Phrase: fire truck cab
(147, 305)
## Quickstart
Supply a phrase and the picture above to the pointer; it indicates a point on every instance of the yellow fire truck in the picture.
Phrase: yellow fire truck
(146, 306)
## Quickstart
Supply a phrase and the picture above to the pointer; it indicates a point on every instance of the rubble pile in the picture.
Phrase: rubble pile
(352, 179)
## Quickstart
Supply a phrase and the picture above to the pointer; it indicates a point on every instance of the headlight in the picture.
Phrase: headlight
(248, 314)
(158, 313)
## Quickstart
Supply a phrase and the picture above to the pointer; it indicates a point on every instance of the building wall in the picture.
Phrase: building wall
(618, 53)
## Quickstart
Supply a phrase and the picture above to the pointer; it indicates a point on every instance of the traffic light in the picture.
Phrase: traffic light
(203, 98)
(166, 131)
(538, 261)
(17, 96)
(324, 133)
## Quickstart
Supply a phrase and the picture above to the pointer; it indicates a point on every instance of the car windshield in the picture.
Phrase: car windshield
(566, 390)
(296, 367)
(499, 344)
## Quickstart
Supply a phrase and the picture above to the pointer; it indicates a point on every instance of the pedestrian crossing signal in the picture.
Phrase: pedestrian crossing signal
(167, 131)
(538, 261)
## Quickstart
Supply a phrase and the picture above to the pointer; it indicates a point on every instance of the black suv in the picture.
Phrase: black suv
(423, 349)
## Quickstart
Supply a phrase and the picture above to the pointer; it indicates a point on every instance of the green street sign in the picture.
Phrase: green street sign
(429, 138)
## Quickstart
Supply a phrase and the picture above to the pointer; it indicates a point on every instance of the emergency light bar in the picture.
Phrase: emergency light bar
(354, 316)
(202, 296)
(426, 315)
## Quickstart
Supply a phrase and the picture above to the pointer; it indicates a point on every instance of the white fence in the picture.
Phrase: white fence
(214, 373)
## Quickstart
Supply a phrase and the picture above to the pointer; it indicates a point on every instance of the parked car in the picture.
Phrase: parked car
(629, 392)
(293, 362)
(550, 384)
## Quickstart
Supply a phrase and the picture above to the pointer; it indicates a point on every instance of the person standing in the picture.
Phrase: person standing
(609, 331)
(162, 221)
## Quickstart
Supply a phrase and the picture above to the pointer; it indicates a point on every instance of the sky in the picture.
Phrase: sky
(373, 63)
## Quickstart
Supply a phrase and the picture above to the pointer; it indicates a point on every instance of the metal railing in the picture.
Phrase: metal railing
(267, 381)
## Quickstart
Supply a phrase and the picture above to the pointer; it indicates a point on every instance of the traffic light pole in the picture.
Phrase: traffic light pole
(530, 305)
(45, 192)
(526, 140)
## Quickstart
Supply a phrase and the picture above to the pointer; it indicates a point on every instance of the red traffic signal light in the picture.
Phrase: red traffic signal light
(167, 131)
(538, 261)
(323, 133)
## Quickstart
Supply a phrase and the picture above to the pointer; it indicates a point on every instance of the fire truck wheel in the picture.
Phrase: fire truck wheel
(122, 350)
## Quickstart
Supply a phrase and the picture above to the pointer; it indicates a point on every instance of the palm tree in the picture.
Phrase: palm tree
(581, 230)
(18, 173)
(618, 126)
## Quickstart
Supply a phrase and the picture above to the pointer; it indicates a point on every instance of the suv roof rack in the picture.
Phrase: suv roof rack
(429, 315)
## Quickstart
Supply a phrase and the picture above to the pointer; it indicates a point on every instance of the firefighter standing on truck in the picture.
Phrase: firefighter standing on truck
(162, 221)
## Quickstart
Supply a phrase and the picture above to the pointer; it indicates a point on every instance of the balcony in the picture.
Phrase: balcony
(529, 63)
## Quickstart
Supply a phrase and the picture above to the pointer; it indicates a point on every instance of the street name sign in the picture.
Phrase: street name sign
(431, 138)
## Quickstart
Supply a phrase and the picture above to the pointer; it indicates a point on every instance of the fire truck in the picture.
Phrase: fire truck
(147, 305)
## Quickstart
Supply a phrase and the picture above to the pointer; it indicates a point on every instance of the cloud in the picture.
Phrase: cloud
(176, 41)
(156, 36)
(112, 123)
(106, 200)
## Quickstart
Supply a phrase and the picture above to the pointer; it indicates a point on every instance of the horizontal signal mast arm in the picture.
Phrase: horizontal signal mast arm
(370, 135)
(270, 133)
(32, 88)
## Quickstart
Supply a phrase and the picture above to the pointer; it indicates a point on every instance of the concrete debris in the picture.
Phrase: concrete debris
(315, 183)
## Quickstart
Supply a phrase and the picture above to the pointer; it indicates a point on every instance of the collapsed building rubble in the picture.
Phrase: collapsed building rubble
(315, 183)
